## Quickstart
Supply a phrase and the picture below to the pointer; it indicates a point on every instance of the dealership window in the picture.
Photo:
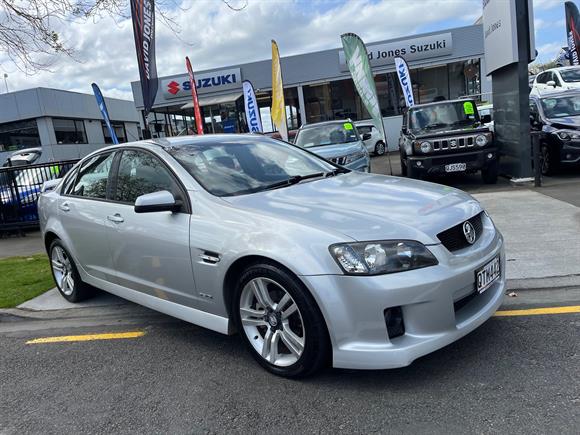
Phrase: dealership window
(293, 119)
(19, 135)
(120, 131)
(69, 131)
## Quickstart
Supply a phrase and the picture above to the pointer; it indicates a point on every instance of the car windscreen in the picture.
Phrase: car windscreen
(243, 166)
(559, 107)
(326, 134)
(443, 115)
(570, 75)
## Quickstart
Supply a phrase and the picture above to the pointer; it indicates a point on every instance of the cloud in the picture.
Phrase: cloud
(215, 36)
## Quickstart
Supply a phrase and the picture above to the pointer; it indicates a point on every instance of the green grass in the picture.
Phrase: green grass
(23, 278)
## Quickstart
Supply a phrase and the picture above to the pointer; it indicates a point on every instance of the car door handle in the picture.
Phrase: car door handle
(117, 218)
(64, 206)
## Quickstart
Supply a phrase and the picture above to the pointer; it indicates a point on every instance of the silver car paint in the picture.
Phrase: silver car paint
(293, 226)
(344, 149)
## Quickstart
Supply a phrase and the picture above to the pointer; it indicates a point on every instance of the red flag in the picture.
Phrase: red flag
(198, 120)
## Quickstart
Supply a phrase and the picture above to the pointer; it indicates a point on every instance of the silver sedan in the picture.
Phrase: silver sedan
(311, 263)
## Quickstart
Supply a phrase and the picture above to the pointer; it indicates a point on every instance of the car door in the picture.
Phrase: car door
(150, 251)
(83, 208)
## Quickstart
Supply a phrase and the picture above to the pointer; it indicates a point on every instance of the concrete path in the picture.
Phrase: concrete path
(52, 300)
(542, 237)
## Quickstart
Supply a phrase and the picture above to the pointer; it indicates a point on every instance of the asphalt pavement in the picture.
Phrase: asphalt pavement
(515, 374)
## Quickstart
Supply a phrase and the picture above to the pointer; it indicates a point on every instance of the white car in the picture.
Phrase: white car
(486, 115)
(375, 144)
(556, 79)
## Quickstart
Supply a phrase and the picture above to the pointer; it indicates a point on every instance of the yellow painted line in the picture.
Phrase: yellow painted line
(87, 337)
(539, 311)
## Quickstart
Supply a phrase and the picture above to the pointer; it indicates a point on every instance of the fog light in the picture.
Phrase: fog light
(419, 164)
(568, 156)
(490, 156)
(394, 322)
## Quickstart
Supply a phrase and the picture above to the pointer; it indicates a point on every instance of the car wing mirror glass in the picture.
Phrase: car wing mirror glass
(366, 136)
(157, 201)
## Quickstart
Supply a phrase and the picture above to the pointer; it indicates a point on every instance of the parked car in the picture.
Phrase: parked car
(337, 141)
(447, 137)
(309, 262)
(556, 80)
(23, 157)
(556, 118)
(486, 115)
(375, 143)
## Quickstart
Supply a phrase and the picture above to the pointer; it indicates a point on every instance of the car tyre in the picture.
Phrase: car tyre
(380, 148)
(280, 322)
(403, 166)
(66, 275)
(491, 173)
(548, 161)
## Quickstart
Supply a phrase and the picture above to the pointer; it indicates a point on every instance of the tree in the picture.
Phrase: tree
(29, 35)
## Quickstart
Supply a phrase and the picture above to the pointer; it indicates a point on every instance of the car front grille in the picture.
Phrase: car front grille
(454, 239)
(339, 160)
(453, 143)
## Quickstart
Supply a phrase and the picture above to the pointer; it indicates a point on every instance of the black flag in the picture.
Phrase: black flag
(143, 13)
(572, 23)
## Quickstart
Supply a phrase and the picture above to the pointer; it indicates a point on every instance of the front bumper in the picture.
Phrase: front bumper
(570, 154)
(435, 164)
(363, 165)
(354, 306)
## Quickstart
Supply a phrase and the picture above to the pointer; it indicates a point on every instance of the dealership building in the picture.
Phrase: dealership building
(67, 125)
(318, 87)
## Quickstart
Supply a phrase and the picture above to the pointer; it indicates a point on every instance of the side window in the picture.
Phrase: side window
(93, 179)
(364, 129)
(141, 173)
(542, 78)
(69, 181)
(556, 79)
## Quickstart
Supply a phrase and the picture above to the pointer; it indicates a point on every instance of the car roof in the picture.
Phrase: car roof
(561, 68)
(318, 124)
(432, 103)
(566, 93)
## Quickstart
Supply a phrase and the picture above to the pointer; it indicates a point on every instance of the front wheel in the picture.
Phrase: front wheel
(65, 274)
(548, 161)
(380, 148)
(490, 174)
(280, 321)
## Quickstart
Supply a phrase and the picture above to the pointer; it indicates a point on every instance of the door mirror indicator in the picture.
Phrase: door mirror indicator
(156, 202)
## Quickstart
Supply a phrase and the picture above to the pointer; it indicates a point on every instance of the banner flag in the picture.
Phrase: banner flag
(572, 22)
(143, 13)
(357, 59)
(278, 105)
(105, 112)
(196, 111)
(252, 110)
(404, 75)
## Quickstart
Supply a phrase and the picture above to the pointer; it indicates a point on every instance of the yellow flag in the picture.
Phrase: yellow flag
(278, 107)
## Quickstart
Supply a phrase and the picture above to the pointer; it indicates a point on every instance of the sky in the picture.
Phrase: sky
(213, 36)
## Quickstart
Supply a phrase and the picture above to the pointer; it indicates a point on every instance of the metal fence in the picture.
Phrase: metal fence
(19, 191)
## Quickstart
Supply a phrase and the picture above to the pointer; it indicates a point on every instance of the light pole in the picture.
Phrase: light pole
(6, 81)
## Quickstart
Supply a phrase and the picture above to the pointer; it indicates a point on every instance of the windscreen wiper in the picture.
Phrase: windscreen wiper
(294, 180)
(336, 172)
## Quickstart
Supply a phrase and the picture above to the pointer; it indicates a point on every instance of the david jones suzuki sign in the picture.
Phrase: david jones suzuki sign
(410, 49)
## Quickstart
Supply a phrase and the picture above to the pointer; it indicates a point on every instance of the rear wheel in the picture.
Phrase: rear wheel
(280, 322)
(380, 148)
(65, 274)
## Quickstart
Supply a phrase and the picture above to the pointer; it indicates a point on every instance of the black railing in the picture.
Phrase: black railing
(19, 191)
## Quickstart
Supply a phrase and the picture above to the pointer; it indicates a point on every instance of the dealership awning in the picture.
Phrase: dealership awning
(219, 99)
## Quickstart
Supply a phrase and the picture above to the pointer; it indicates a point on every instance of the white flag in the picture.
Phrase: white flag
(252, 110)
(405, 80)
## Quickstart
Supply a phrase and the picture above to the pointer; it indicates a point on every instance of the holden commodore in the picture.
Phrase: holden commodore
(311, 263)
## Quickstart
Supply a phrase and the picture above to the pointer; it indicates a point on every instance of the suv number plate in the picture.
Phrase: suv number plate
(487, 275)
(456, 167)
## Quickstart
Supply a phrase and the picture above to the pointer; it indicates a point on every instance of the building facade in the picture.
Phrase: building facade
(318, 87)
(67, 125)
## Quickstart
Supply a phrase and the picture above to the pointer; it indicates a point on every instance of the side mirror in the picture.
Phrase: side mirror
(157, 201)
(551, 83)
(366, 136)
(486, 119)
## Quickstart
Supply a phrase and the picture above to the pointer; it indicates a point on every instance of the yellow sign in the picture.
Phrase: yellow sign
(347, 126)
(468, 108)
(278, 112)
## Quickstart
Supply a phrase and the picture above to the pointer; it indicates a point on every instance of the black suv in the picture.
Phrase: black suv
(447, 137)
(556, 116)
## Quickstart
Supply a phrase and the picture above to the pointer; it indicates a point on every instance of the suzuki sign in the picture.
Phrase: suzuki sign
(179, 87)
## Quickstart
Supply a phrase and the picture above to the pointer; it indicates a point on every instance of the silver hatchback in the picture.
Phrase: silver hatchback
(309, 262)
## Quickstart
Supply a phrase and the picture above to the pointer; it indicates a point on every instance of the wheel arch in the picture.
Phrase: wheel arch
(49, 237)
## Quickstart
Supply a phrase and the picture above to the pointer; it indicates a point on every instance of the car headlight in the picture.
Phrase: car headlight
(377, 258)
(354, 156)
(426, 147)
(481, 140)
(567, 135)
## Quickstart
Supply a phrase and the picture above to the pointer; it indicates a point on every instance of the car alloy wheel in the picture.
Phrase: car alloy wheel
(272, 322)
(62, 270)
(380, 149)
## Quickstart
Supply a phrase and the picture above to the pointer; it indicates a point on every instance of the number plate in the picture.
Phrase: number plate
(456, 167)
(487, 275)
